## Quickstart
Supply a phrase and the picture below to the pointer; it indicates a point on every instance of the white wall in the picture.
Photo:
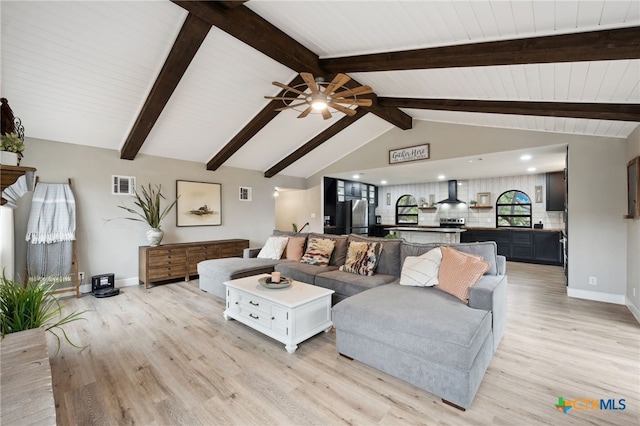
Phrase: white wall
(633, 240)
(105, 247)
(597, 232)
(299, 207)
(597, 190)
(468, 190)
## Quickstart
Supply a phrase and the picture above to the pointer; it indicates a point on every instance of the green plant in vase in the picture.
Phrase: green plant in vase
(150, 211)
(11, 142)
(33, 306)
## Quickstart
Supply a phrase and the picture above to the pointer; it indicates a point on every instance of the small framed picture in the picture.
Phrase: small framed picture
(245, 193)
(388, 198)
(484, 198)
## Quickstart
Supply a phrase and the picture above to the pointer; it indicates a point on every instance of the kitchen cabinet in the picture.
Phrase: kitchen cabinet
(524, 245)
(555, 196)
(336, 193)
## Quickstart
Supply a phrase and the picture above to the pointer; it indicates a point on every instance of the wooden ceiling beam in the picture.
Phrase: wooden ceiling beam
(616, 44)
(230, 4)
(192, 34)
(318, 140)
(258, 122)
(598, 111)
(250, 28)
(253, 30)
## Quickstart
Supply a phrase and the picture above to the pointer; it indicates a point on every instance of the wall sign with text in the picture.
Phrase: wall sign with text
(412, 153)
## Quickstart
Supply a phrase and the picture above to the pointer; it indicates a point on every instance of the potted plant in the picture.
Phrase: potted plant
(33, 306)
(11, 146)
(150, 211)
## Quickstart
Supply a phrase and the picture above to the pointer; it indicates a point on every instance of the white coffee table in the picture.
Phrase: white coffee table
(289, 315)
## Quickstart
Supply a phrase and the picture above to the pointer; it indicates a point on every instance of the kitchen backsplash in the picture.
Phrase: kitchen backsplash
(468, 190)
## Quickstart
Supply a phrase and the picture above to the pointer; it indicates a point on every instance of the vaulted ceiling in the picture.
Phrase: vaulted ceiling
(187, 79)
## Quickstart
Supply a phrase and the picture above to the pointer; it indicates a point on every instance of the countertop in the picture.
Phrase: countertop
(427, 229)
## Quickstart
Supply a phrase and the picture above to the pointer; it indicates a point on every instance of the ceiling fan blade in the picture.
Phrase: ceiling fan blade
(362, 90)
(290, 89)
(326, 114)
(340, 108)
(304, 113)
(292, 105)
(311, 82)
(338, 81)
(359, 102)
(282, 98)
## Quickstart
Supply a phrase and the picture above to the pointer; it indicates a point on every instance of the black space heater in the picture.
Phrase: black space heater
(104, 285)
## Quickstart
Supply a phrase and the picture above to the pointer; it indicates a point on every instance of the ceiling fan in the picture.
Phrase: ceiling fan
(317, 95)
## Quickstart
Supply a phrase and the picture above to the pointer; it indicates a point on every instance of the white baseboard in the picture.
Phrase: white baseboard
(635, 311)
(618, 299)
(124, 282)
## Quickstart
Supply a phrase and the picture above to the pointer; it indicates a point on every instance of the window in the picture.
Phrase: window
(407, 210)
(513, 210)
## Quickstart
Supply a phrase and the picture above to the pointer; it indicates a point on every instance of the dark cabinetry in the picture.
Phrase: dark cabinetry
(336, 193)
(521, 245)
(555, 192)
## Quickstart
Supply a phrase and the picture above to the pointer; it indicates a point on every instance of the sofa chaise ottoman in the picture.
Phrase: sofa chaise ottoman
(425, 336)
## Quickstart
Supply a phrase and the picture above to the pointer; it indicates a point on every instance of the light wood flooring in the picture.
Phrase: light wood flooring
(165, 356)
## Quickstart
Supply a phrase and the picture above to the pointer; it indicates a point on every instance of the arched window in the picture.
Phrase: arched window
(407, 210)
(513, 210)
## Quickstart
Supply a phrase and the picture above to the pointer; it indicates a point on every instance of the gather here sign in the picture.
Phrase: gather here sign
(412, 153)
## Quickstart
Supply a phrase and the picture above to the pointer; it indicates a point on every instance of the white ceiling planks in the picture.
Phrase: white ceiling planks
(222, 89)
(353, 137)
(82, 70)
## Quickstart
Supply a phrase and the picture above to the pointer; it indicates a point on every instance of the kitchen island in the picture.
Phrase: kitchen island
(425, 234)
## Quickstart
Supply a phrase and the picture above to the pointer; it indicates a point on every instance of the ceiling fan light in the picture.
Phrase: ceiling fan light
(319, 104)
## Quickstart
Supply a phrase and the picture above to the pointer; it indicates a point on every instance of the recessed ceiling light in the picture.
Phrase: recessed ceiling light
(357, 176)
(383, 182)
(531, 169)
(441, 177)
(525, 157)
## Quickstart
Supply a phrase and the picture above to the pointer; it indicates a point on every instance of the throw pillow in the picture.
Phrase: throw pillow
(459, 271)
(362, 258)
(422, 271)
(273, 248)
(318, 251)
(295, 248)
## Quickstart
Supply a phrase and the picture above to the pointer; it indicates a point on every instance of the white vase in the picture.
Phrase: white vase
(8, 158)
(154, 235)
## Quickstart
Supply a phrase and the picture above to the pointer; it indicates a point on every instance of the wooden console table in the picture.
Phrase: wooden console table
(180, 261)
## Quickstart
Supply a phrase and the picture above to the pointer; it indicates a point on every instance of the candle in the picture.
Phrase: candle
(275, 277)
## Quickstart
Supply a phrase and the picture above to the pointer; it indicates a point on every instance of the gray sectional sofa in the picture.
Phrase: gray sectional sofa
(421, 335)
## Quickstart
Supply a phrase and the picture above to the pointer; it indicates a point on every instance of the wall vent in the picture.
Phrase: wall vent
(123, 185)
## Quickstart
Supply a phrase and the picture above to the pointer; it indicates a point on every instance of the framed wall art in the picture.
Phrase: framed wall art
(484, 199)
(199, 203)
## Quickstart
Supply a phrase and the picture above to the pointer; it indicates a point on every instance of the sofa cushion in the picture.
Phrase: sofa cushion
(302, 271)
(488, 250)
(295, 248)
(318, 251)
(362, 258)
(389, 263)
(423, 321)
(340, 250)
(459, 271)
(421, 271)
(348, 284)
(273, 248)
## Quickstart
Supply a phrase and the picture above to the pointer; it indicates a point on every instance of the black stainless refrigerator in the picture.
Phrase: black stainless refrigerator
(357, 220)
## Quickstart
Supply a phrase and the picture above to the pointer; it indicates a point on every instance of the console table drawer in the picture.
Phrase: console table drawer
(167, 272)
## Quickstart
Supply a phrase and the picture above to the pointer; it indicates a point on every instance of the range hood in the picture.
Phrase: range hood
(453, 194)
